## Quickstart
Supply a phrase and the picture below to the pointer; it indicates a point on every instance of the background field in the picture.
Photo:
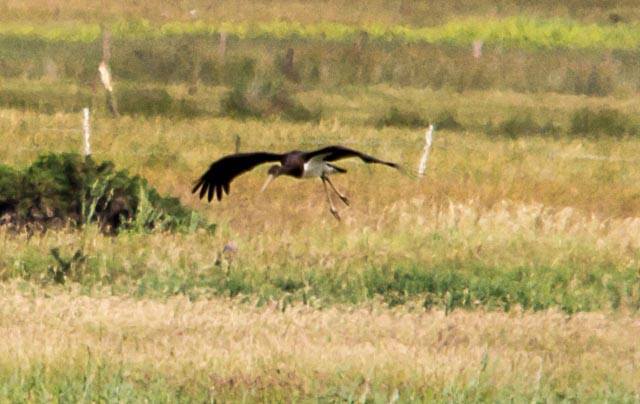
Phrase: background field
(509, 272)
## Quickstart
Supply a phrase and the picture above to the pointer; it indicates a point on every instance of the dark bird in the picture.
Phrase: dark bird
(298, 164)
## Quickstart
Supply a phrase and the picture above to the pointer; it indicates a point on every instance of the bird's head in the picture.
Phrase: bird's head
(274, 171)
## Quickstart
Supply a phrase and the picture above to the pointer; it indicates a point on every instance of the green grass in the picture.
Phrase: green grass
(195, 61)
(583, 279)
(515, 31)
(96, 379)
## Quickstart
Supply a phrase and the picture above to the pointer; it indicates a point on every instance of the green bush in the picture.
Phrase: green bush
(605, 121)
(65, 188)
(9, 192)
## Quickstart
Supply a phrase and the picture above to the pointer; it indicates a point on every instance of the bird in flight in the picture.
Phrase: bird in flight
(298, 164)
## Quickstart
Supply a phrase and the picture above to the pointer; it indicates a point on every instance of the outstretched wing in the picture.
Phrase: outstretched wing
(220, 174)
(333, 153)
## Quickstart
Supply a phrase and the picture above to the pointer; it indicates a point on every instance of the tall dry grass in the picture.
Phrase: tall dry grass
(594, 175)
(218, 348)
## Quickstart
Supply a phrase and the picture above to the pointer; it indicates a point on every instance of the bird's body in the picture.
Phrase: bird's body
(316, 168)
(297, 164)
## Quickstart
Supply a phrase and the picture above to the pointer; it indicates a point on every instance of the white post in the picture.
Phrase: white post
(105, 76)
(425, 153)
(86, 130)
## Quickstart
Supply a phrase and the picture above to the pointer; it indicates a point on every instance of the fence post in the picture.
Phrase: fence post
(105, 73)
(476, 48)
(287, 67)
(222, 45)
(422, 166)
(238, 143)
(86, 130)
(196, 65)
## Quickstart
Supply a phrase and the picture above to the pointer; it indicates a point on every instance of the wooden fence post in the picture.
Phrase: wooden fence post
(238, 140)
(287, 66)
(222, 45)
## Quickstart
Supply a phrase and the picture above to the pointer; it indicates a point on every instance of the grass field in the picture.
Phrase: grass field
(120, 349)
(509, 272)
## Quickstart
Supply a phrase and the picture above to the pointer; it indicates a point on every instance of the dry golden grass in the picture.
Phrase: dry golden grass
(532, 202)
(410, 232)
(219, 344)
(463, 166)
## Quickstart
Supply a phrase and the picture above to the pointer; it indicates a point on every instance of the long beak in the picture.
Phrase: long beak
(267, 182)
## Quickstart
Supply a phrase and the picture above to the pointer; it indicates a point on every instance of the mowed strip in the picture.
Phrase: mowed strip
(220, 343)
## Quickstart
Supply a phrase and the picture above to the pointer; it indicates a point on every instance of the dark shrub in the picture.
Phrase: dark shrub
(153, 101)
(10, 180)
(519, 125)
(144, 101)
(602, 122)
(447, 120)
(238, 72)
(67, 188)
(45, 101)
(263, 98)
(398, 118)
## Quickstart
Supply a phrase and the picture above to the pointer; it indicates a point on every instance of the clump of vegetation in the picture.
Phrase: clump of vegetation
(45, 101)
(605, 121)
(521, 125)
(153, 101)
(399, 118)
(263, 97)
(518, 125)
(65, 188)
(131, 101)
(447, 120)
(409, 119)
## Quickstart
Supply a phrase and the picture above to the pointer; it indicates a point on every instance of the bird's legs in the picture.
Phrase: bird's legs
(342, 197)
(332, 208)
